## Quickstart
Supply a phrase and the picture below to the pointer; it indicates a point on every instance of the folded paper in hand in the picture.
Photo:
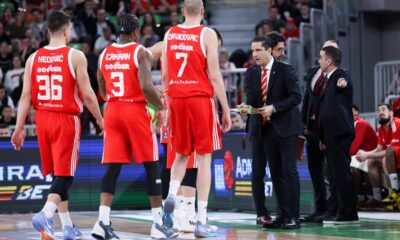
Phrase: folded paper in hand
(363, 166)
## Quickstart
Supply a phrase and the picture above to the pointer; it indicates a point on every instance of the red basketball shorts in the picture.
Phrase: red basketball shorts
(58, 137)
(194, 125)
(128, 130)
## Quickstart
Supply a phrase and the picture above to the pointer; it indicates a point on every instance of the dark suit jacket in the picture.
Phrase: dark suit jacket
(283, 92)
(334, 108)
(309, 96)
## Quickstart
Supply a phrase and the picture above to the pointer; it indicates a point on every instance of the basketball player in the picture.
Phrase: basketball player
(55, 82)
(124, 77)
(191, 74)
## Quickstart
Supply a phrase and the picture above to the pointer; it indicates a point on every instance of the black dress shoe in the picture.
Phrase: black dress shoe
(313, 216)
(277, 223)
(323, 217)
(291, 223)
(342, 220)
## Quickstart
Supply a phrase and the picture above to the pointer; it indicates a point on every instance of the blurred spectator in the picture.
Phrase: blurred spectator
(17, 28)
(78, 30)
(291, 30)
(56, 5)
(396, 107)
(273, 16)
(16, 94)
(7, 116)
(4, 99)
(237, 121)
(3, 35)
(104, 41)
(102, 22)
(304, 14)
(113, 6)
(229, 78)
(164, 7)
(90, 56)
(88, 18)
(26, 47)
(5, 56)
(264, 27)
(173, 21)
(238, 57)
(147, 37)
(4, 131)
(285, 9)
(148, 19)
(11, 81)
(7, 16)
(38, 25)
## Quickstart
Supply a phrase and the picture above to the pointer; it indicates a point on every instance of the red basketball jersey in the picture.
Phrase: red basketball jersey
(54, 86)
(119, 66)
(187, 63)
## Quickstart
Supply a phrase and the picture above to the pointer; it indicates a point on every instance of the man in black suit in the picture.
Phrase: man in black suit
(259, 162)
(315, 156)
(336, 130)
(272, 87)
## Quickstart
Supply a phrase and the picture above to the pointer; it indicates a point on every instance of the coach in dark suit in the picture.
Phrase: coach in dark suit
(315, 156)
(272, 86)
(336, 129)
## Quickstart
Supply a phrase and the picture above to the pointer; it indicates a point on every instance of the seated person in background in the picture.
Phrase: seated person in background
(8, 116)
(385, 155)
(365, 140)
(237, 121)
(4, 131)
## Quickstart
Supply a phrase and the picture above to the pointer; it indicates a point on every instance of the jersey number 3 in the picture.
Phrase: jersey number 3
(117, 79)
(50, 88)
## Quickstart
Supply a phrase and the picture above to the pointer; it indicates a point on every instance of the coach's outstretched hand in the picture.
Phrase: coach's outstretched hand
(18, 139)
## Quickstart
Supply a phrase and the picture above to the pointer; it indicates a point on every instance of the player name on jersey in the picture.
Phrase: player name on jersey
(51, 59)
(118, 56)
(183, 37)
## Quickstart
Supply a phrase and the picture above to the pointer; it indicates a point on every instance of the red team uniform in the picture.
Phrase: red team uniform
(56, 97)
(365, 138)
(127, 123)
(391, 137)
(193, 118)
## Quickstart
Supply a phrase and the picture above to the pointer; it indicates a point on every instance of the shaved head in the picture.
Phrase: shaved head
(193, 7)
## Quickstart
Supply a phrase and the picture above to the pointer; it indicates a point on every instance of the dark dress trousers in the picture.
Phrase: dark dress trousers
(277, 137)
(315, 156)
(336, 130)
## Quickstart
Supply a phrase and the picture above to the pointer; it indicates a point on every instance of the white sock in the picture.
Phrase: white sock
(377, 193)
(394, 181)
(202, 211)
(104, 214)
(173, 187)
(180, 206)
(157, 218)
(49, 209)
(190, 207)
(65, 219)
(360, 197)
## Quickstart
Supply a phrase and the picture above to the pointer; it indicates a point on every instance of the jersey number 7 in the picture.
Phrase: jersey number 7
(180, 55)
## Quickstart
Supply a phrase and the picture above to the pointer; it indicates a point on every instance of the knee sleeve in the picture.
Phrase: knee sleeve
(60, 186)
(109, 181)
(190, 178)
(153, 178)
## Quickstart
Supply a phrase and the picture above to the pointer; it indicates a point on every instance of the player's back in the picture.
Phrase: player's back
(186, 62)
(119, 67)
(54, 85)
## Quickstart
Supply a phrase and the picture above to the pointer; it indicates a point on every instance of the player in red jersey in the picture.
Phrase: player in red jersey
(386, 155)
(124, 77)
(191, 76)
(55, 83)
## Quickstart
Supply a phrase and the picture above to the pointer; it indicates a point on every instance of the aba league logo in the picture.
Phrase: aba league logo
(228, 170)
